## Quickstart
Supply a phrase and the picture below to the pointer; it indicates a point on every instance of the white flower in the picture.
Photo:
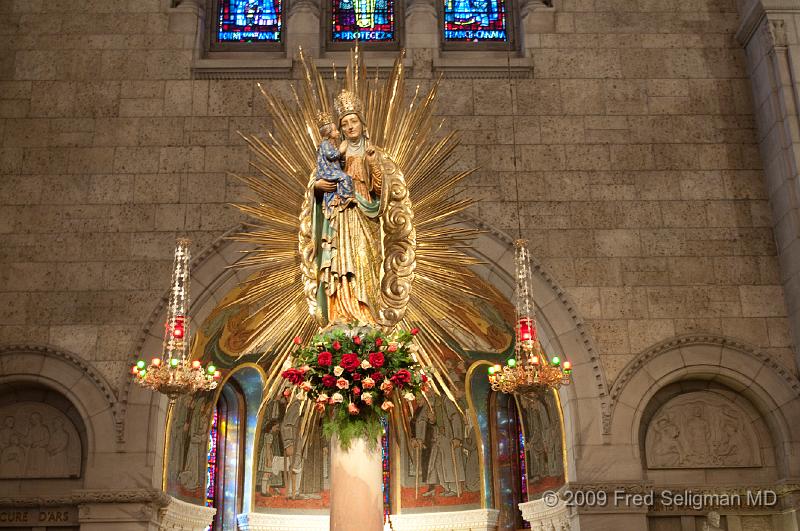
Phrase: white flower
(409, 396)
(337, 398)
(338, 370)
(365, 365)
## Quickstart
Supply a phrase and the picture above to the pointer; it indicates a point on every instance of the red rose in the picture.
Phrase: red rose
(424, 378)
(298, 340)
(414, 331)
(378, 342)
(356, 376)
(401, 378)
(293, 375)
(349, 362)
(329, 380)
(377, 376)
(324, 359)
(357, 340)
(376, 359)
(356, 391)
(336, 345)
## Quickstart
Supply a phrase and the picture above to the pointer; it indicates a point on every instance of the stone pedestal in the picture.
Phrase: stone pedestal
(356, 487)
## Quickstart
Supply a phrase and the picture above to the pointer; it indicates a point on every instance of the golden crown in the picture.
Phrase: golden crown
(347, 103)
(324, 118)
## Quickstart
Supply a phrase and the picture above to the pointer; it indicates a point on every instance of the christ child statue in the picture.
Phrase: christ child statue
(329, 167)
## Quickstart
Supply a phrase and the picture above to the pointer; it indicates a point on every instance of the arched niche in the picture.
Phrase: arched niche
(698, 431)
(71, 387)
(742, 375)
(585, 404)
(239, 397)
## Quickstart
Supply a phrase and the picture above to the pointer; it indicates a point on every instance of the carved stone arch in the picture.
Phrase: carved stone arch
(768, 387)
(562, 328)
(64, 381)
(75, 379)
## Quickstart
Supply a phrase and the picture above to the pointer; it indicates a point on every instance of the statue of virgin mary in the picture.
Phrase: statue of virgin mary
(348, 254)
(365, 246)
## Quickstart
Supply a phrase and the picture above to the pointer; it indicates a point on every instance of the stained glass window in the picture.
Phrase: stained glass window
(475, 21)
(387, 508)
(367, 20)
(211, 467)
(250, 20)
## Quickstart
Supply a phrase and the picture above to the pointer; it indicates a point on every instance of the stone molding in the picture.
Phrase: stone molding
(545, 518)
(645, 357)
(470, 520)
(180, 515)
(117, 412)
(90, 496)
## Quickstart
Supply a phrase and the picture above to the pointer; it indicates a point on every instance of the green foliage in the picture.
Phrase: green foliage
(350, 427)
(354, 376)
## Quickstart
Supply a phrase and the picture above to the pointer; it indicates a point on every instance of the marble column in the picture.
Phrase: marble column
(771, 39)
(356, 486)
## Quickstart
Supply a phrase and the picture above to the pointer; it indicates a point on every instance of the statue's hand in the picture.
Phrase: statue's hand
(325, 186)
(371, 154)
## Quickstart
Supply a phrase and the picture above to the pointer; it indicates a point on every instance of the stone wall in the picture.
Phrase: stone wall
(640, 181)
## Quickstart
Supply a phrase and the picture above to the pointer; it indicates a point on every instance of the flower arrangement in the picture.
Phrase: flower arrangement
(355, 377)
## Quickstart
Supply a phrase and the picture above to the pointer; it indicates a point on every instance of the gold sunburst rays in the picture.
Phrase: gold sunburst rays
(284, 161)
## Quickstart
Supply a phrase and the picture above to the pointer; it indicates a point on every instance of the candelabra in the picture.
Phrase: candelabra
(529, 368)
(173, 373)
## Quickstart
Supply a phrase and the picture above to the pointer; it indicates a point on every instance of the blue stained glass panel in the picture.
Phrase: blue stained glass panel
(250, 20)
(367, 20)
(475, 21)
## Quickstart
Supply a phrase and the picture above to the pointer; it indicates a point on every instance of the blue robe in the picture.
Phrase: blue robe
(329, 169)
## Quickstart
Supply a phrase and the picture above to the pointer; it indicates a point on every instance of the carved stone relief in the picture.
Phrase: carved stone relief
(701, 430)
(37, 441)
(756, 523)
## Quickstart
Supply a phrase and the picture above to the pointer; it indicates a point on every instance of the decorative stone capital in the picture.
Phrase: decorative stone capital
(474, 520)
(179, 515)
(283, 522)
(544, 517)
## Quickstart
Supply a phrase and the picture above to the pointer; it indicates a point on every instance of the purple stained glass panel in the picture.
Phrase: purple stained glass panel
(366, 20)
(250, 20)
(475, 21)
(211, 467)
(387, 508)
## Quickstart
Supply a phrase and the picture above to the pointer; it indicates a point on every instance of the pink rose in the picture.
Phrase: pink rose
(387, 386)
(366, 398)
(368, 383)
(341, 383)
(386, 406)
(336, 345)
(352, 409)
